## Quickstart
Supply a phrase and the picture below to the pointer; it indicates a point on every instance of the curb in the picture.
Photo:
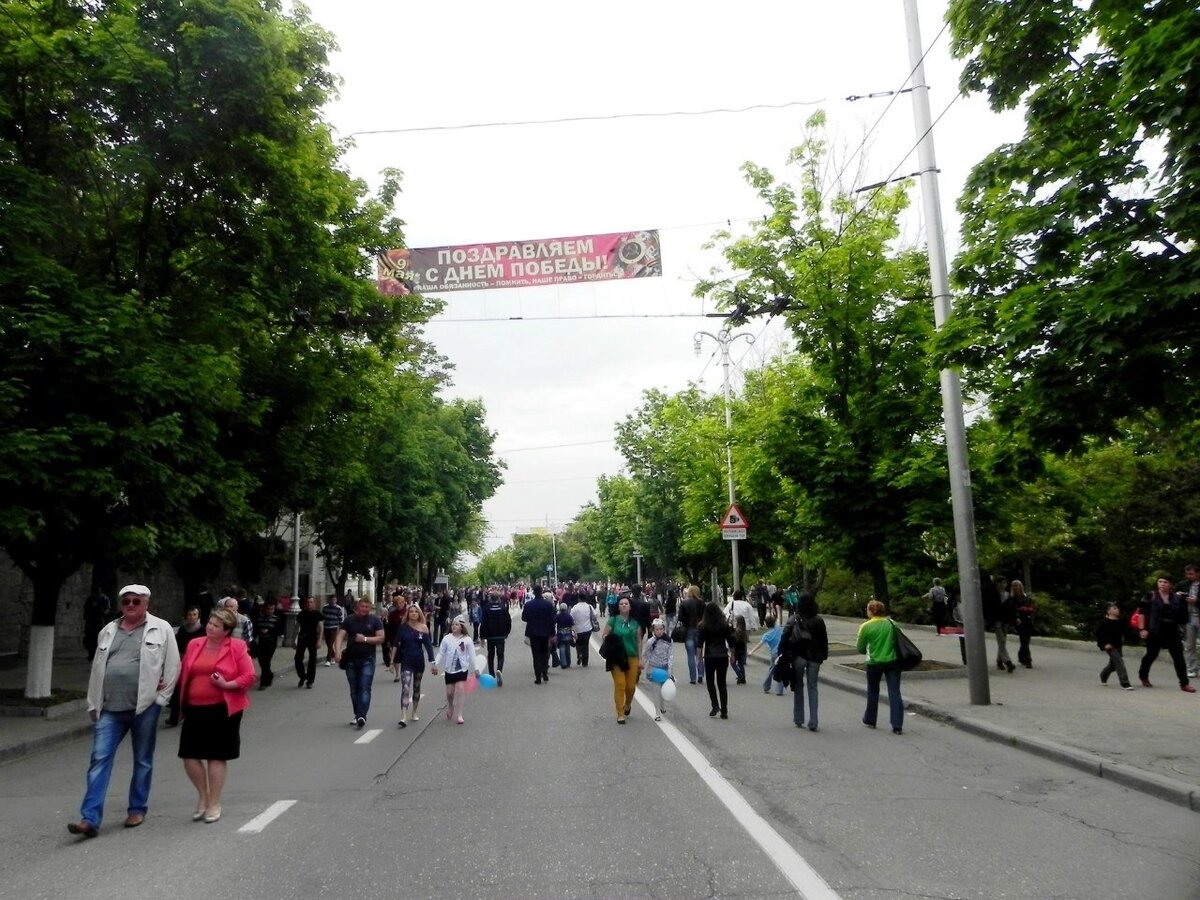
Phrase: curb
(45, 742)
(1159, 786)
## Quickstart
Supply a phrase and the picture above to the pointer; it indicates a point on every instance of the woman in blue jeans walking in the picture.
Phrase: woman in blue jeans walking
(691, 608)
(808, 647)
(877, 638)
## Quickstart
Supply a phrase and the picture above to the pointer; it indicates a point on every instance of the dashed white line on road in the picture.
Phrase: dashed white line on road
(263, 819)
(369, 735)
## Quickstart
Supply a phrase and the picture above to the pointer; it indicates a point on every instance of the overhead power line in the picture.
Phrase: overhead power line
(553, 446)
(605, 118)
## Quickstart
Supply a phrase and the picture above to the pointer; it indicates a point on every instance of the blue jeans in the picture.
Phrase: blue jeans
(802, 669)
(564, 649)
(771, 677)
(890, 671)
(737, 661)
(695, 663)
(360, 673)
(110, 729)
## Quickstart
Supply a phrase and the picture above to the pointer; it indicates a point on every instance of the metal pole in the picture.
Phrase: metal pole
(733, 545)
(952, 408)
(554, 557)
(724, 339)
(296, 559)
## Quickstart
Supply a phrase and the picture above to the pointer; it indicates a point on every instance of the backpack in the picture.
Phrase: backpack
(799, 632)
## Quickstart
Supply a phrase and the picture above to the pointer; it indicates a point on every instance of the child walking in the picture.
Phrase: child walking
(737, 649)
(456, 658)
(658, 655)
(770, 639)
(1110, 636)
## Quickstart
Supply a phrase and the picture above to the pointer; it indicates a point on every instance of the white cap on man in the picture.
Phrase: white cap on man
(140, 589)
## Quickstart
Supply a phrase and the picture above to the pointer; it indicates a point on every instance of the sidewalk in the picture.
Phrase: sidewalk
(21, 735)
(1142, 739)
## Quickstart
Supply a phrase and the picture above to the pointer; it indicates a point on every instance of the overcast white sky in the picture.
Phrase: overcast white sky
(556, 382)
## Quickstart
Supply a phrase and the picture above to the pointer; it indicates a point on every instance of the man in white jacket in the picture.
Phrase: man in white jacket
(133, 675)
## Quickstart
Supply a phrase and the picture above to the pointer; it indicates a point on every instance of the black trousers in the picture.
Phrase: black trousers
(306, 671)
(495, 655)
(1166, 638)
(1024, 634)
(540, 647)
(715, 670)
(266, 652)
(582, 647)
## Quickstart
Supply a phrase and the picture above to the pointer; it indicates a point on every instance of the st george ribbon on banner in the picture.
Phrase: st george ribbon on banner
(515, 264)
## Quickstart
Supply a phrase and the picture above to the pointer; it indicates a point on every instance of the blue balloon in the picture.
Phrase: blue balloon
(487, 682)
(658, 676)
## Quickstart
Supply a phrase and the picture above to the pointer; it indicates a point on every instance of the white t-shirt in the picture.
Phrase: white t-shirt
(582, 613)
(745, 610)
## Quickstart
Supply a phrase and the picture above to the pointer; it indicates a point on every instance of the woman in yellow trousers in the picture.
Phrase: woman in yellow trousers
(625, 629)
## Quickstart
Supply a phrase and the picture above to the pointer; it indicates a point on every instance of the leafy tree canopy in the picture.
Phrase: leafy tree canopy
(1080, 260)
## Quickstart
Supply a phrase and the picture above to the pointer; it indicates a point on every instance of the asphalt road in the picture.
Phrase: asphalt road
(542, 794)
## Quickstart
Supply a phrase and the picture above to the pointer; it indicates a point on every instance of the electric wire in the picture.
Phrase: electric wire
(552, 446)
(521, 123)
(590, 316)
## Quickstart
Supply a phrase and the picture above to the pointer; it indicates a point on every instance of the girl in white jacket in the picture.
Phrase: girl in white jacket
(456, 659)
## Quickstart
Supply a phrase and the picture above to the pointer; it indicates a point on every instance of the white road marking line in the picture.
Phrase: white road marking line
(262, 820)
(369, 735)
(790, 864)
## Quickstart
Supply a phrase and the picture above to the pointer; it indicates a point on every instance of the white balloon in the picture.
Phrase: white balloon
(480, 663)
(668, 691)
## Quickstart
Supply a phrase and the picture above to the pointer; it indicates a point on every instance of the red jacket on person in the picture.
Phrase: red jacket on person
(233, 663)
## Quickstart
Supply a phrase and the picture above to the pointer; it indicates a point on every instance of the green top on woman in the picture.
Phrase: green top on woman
(627, 631)
(877, 638)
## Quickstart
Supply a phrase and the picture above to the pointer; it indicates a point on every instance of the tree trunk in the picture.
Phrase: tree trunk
(47, 584)
(193, 572)
(879, 580)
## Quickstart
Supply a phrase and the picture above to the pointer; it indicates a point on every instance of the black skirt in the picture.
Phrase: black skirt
(209, 732)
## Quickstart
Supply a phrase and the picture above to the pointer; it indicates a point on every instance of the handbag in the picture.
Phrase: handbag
(679, 634)
(907, 653)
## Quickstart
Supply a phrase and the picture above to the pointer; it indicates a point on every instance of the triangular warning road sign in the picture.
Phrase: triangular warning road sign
(733, 518)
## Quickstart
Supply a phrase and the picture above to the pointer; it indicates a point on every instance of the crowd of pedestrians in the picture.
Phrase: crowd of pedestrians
(203, 670)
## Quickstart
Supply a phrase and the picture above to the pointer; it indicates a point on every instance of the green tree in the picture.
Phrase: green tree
(495, 567)
(612, 524)
(1080, 261)
(859, 312)
(182, 262)
(674, 446)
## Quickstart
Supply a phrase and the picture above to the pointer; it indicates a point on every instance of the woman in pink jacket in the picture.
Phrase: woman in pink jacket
(215, 675)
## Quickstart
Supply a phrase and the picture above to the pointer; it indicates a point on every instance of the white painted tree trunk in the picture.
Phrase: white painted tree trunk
(41, 661)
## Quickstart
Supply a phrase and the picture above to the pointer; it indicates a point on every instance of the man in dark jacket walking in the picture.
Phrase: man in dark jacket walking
(495, 626)
(538, 616)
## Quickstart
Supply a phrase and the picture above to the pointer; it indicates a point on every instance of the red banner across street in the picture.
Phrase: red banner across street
(564, 260)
